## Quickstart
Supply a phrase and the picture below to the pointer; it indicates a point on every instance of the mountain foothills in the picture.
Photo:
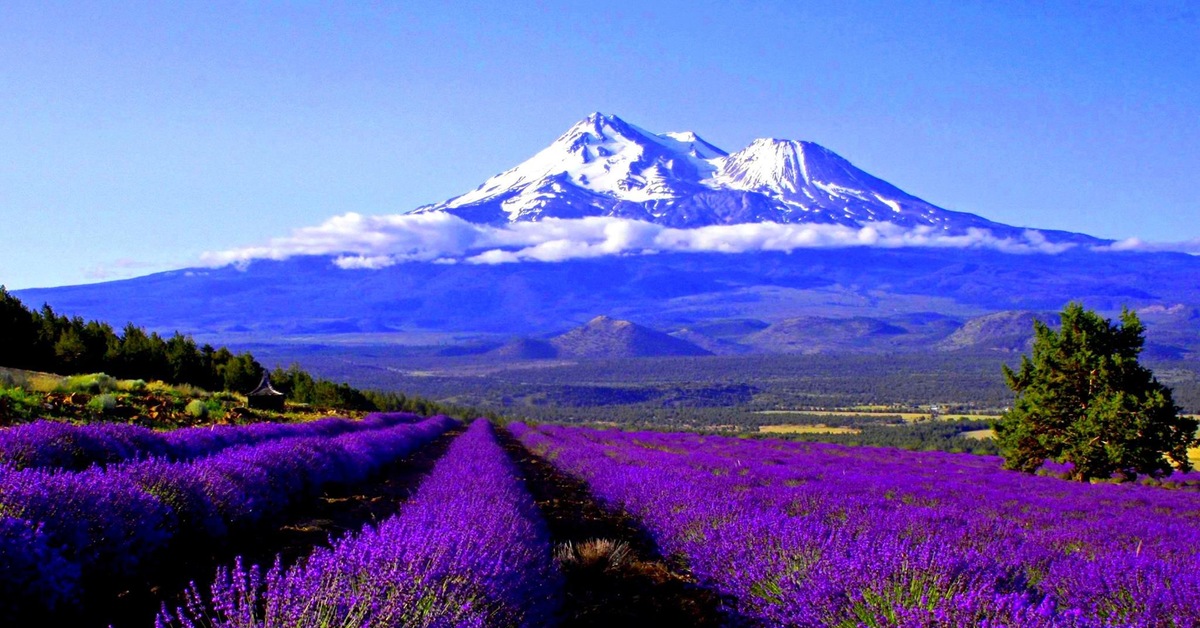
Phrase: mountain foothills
(603, 337)
(738, 266)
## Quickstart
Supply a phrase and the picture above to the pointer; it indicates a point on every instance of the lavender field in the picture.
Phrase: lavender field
(747, 532)
(821, 535)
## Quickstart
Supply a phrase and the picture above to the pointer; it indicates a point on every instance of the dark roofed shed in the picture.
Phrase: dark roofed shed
(265, 397)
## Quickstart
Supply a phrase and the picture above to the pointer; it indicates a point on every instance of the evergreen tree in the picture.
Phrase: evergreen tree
(1084, 399)
(242, 373)
(18, 333)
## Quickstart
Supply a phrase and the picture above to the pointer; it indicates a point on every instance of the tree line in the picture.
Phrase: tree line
(43, 340)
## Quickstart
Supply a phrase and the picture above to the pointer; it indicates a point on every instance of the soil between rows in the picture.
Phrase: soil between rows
(339, 511)
(641, 589)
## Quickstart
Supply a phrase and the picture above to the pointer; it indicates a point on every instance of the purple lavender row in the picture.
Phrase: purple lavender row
(53, 444)
(811, 534)
(470, 549)
(119, 521)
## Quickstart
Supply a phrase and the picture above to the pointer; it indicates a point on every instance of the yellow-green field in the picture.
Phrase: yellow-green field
(907, 416)
(910, 417)
(806, 429)
(978, 434)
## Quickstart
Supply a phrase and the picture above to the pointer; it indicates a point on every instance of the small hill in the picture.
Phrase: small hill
(1172, 331)
(728, 328)
(716, 346)
(1008, 332)
(604, 337)
(526, 349)
(815, 334)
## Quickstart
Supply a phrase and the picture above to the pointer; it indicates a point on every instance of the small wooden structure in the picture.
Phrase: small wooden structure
(265, 397)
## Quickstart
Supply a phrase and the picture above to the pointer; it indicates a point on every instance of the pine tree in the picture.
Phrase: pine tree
(1084, 399)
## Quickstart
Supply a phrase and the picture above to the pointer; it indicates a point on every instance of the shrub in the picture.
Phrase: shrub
(9, 379)
(94, 384)
(103, 403)
(197, 409)
(16, 403)
(132, 385)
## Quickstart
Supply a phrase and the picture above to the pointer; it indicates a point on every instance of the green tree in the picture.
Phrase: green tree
(1084, 399)
(242, 373)
(18, 333)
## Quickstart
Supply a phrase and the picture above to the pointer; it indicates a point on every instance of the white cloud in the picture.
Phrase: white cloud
(400, 237)
(372, 242)
(121, 269)
(1137, 244)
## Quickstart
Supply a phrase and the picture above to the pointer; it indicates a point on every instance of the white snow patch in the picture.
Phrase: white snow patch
(890, 203)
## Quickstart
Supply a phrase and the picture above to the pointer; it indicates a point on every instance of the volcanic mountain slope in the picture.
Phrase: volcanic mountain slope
(604, 337)
(604, 166)
(715, 346)
(1009, 332)
(312, 297)
(525, 349)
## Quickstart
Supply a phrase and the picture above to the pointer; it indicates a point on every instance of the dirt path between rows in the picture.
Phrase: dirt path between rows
(339, 511)
(622, 580)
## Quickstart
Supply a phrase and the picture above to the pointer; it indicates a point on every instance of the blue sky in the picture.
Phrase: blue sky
(136, 137)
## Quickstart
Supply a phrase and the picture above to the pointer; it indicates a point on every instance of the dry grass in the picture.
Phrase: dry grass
(979, 434)
(806, 429)
(593, 554)
(909, 417)
(852, 414)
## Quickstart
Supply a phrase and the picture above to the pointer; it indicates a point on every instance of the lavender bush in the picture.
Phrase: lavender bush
(54, 444)
(822, 535)
(469, 550)
(118, 521)
(34, 576)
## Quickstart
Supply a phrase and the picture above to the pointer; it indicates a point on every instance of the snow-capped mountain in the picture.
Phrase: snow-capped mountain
(604, 166)
(846, 296)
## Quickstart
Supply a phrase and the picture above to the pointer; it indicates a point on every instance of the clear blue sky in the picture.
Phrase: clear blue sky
(133, 137)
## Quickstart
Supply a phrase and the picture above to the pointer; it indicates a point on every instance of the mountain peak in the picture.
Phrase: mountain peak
(599, 162)
(768, 163)
(605, 166)
(606, 323)
(600, 126)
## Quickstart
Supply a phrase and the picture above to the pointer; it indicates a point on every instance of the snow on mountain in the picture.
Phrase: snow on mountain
(815, 184)
(605, 166)
(599, 162)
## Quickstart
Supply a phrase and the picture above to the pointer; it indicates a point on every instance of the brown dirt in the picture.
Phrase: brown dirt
(606, 586)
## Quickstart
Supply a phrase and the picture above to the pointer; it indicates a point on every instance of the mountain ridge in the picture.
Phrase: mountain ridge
(605, 166)
(829, 297)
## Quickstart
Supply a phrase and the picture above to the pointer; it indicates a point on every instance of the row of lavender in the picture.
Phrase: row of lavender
(470, 549)
(812, 535)
(64, 533)
(54, 444)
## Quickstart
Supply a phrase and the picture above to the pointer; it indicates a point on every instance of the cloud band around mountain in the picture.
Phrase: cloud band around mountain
(372, 242)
